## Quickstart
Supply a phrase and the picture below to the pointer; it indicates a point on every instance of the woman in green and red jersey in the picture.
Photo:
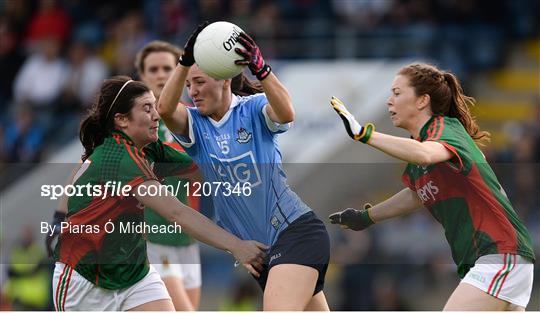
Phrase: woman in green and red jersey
(101, 263)
(448, 174)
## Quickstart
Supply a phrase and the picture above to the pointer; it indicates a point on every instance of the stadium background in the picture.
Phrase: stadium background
(347, 48)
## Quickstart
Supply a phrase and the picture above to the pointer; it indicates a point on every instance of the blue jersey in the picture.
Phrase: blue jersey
(241, 148)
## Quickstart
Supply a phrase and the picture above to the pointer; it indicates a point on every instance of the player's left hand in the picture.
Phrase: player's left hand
(352, 218)
(251, 254)
(252, 57)
(354, 129)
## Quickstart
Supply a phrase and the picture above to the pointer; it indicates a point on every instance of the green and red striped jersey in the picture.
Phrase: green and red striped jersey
(464, 195)
(113, 258)
(178, 185)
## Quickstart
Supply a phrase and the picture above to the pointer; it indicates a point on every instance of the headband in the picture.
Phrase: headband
(118, 94)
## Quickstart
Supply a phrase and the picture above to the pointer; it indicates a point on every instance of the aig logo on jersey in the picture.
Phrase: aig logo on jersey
(240, 169)
(243, 135)
(428, 192)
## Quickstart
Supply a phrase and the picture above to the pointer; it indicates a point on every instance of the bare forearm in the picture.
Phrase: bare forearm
(406, 149)
(192, 222)
(172, 91)
(404, 202)
(175, 117)
(279, 99)
(204, 230)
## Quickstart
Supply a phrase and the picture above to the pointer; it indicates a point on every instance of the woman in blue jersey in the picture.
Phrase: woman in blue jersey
(231, 135)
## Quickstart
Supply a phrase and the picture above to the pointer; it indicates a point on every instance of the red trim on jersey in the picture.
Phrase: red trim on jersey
(137, 159)
(429, 132)
(140, 153)
(175, 145)
(437, 130)
(452, 149)
(117, 138)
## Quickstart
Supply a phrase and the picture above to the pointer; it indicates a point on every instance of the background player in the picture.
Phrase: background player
(234, 126)
(175, 256)
(109, 271)
(449, 175)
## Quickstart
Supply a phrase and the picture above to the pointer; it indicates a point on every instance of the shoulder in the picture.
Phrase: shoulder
(452, 122)
(252, 104)
(444, 126)
(247, 100)
(116, 149)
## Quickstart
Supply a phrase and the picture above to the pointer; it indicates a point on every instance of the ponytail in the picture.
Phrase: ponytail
(116, 95)
(91, 134)
(242, 86)
(459, 108)
(446, 96)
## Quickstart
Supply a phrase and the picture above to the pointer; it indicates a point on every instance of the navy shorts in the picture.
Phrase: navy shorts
(305, 242)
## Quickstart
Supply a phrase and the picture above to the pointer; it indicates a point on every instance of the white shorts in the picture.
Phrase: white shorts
(79, 294)
(508, 277)
(183, 262)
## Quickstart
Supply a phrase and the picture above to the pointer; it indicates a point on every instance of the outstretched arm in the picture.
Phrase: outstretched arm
(250, 253)
(410, 150)
(406, 149)
(404, 202)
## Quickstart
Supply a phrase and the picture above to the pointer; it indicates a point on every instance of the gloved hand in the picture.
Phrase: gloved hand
(354, 129)
(187, 58)
(352, 218)
(252, 57)
(58, 218)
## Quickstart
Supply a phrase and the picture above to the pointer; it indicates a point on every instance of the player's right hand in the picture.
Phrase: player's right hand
(187, 58)
(58, 218)
(354, 129)
(251, 254)
(352, 218)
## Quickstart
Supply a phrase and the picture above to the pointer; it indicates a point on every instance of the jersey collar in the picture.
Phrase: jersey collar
(120, 134)
(423, 131)
(225, 118)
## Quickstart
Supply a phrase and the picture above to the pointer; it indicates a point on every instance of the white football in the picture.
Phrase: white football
(214, 50)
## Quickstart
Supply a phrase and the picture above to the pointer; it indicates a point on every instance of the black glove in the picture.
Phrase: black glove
(187, 58)
(252, 57)
(352, 218)
(58, 218)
